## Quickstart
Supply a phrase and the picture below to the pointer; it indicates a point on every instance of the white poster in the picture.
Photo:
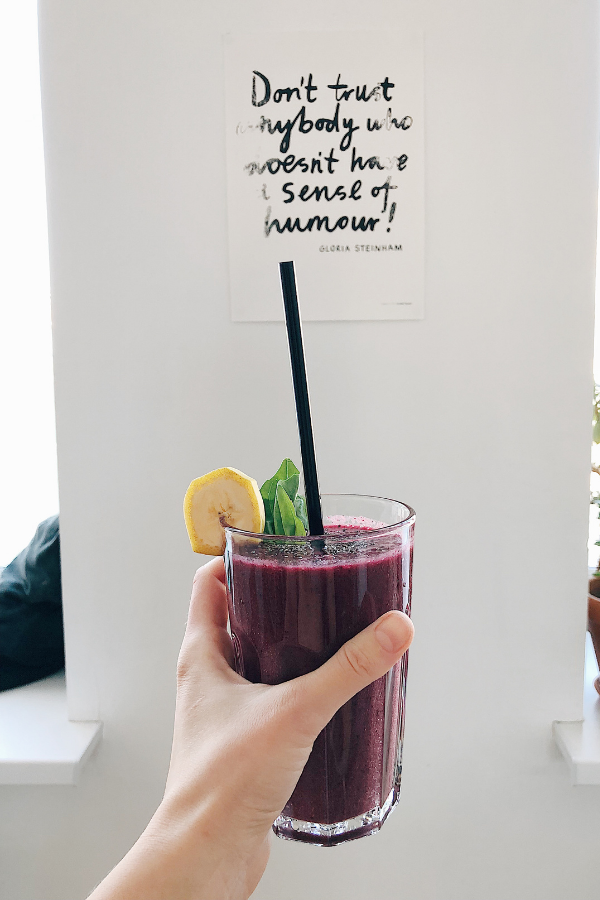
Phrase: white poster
(325, 168)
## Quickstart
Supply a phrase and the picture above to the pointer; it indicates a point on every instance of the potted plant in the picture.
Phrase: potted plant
(594, 582)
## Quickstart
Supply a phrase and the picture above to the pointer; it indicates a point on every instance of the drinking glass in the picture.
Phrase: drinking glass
(293, 602)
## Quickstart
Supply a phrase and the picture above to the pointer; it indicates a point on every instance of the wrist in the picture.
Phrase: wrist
(182, 855)
(210, 852)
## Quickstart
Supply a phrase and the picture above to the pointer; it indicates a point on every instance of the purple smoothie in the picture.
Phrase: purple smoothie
(292, 606)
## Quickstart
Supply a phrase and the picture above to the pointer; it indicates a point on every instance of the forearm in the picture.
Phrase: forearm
(181, 856)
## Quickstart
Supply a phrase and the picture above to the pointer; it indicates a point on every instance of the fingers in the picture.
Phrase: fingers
(207, 645)
(360, 661)
(208, 606)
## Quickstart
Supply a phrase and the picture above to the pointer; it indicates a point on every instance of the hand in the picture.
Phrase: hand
(238, 751)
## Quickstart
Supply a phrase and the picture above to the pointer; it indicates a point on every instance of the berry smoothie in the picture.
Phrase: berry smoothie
(293, 603)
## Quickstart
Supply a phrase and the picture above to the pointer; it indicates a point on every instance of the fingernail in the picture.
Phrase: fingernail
(391, 633)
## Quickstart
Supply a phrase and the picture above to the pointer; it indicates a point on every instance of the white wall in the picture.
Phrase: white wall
(28, 476)
(478, 416)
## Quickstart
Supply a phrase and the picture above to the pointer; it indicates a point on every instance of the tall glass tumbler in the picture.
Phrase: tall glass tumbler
(293, 602)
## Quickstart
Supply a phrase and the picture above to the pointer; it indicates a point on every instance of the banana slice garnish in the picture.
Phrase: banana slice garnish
(222, 497)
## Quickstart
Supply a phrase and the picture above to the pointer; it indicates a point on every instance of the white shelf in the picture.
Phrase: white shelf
(38, 743)
(579, 742)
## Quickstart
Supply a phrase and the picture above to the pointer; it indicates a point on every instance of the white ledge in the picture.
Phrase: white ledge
(38, 743)
(579, 742)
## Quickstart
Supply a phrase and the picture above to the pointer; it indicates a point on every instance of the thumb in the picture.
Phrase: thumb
(360, 661)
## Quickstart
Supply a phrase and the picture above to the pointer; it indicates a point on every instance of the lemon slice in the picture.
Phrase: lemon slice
(222, 497)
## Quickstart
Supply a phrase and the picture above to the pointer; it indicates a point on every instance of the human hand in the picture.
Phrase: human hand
(238, 751)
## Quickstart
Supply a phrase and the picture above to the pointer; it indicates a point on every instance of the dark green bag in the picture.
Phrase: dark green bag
(31, 622)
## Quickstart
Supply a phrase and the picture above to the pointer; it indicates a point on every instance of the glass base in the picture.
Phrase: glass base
(331, 835)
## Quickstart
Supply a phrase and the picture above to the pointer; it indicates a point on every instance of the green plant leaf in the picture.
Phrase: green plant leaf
(286, 469)
(286, 515)
(596, 415)
(300, 508)
(267, 492)
(290, 486)
(277, 520)
(290, 476)
(286, 510)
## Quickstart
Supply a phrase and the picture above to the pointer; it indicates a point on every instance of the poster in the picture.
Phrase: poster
(325, 167)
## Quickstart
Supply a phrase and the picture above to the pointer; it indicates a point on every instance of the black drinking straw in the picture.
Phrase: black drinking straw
(307, 447)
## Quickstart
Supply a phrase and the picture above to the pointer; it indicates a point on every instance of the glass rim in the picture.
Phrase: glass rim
(375, 532)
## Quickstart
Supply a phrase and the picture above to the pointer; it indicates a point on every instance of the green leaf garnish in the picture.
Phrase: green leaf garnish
(277, 520)
(285, 509)
(290, 486)
(300, 507)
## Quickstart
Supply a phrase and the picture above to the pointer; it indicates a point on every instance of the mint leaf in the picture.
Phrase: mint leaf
(277, 520)
(300, 508)
(290, 486)
(267, 492)
(266, 489)
(285, 510)
(286, 470)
